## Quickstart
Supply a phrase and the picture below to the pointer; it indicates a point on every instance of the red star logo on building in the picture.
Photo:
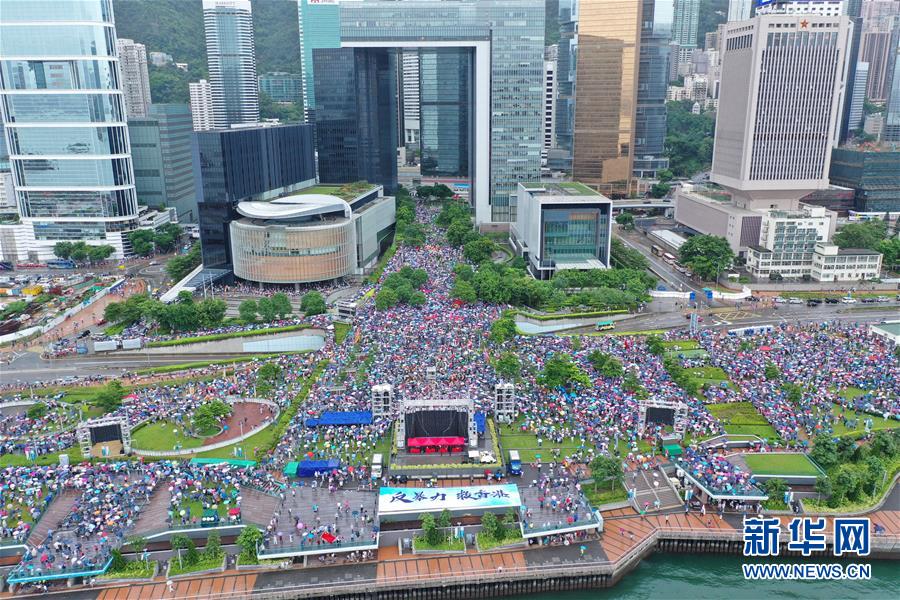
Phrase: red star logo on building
(804, 23)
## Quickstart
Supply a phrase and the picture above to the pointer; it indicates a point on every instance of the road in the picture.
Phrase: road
(672, 278)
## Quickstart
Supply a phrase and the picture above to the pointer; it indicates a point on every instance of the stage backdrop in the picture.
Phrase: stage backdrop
(415, 501)
(436, 423)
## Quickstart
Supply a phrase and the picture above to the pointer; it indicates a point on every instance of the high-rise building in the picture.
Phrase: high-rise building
(880, 31)
(872, 172)
(650, 114)
(549, 103)
(201, 105)
(246, 163)
(135, 77)
(161, 152)
(853, 8)
(232, 62)
(566, 63)
(356, 133)
(606, 86)
(739, 10)
(64, 117)
(282, 87)
(855, 119)
(502, 40)
(320, 27)
(446, 99)
(779, 106)
(891, 131)
(409, 95)
(684, 31)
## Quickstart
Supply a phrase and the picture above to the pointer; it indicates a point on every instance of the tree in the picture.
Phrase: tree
(793, 392)
(771, 371)
(179, 266)
(824, 451)
(884, 444)
(386, 298)
(247, 311)
(605, 364)
(443, 519)
(463, 290)
(36, 411)
(110, 397)
(99, 253)
(213, 548)
(775, 489)
(417, 299)
(626, 220)
(281, 304)
(508, 366)
(865, 235)
(211, 312)
(706, 255)
(430, 531)
(491, 526)
(137, 543)
(606, 468)
(503, 329)
(411, 234)
(560, 371)
(659, 190)
(118, 561)
(689, 138)
(623, 257)
(313, 303)
(183, 542)
(890, 248)
(209, 414)
(266, 309)
(478, 250)
(62, 249)
(141, 241)
(655, 345)
(248, 541)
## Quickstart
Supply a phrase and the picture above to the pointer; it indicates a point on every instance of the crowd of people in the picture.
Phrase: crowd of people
(717, 474)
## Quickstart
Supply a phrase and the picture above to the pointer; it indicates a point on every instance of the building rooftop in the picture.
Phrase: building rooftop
(561, 188)
(857, 252)
(344, 191)
(296, 206)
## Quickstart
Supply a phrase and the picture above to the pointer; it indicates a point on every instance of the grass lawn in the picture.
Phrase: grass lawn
(204, 564)
(852, 392)
(742, 418)
(527, 445)
(448, 544)
(878, 422)
(340, 332)
(19, 460)
(486, 542)
(206, 363)
(136, 569)
(678, 345)
(194, 508)
(780, 464)
(224, 336)
(600, 495)
(162, 436)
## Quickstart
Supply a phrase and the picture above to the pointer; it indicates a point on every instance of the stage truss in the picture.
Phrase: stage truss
(505, 402)
(382, 400)
(83, 433)
(453, 404)
(681, 414)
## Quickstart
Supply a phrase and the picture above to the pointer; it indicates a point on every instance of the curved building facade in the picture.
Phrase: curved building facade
(298, 239)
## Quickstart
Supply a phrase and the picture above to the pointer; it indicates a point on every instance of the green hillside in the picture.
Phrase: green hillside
(176, 27)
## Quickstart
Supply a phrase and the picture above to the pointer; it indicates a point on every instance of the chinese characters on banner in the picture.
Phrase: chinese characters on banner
(807, 535)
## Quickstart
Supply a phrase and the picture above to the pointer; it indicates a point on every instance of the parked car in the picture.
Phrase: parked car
(882, 299)
(868, 300)
(848, 300)
(780, 300)
(813, 302)
(795, 301)
(831, 301)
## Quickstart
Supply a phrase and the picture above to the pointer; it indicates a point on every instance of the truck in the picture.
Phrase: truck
(377, 467)
(514, 465)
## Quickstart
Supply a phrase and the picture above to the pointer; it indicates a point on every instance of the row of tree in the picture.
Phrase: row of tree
(179, 266)
(855, 472)
(81, 252)
(872, 235)
(278, 306)
(182, 315)
(402, 287)
(145, 242)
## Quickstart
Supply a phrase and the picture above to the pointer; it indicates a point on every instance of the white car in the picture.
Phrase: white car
(848, 300)
(882, 299)
(780, 300)
(795, 301)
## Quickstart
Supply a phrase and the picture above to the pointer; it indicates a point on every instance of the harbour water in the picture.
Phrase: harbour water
(716, 577)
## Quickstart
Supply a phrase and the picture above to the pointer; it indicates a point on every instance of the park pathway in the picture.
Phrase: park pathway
(58, 509)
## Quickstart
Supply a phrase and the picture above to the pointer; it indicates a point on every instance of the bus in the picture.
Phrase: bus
(61, 263)
(669, 258)
(604, 326)
(656, 250)
(6, 265)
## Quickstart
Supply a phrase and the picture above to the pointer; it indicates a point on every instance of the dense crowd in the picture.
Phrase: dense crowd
(717, 474)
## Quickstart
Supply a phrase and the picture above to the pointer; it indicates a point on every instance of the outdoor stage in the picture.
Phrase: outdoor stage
(404, 459)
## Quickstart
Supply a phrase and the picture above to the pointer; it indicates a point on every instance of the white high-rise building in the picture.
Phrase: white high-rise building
(881, 24)
(780, 98)
(228, 25)
(739, 10)
(859, 96)
(549, 105)
(135, 77)
(410, 91)
(201, 105)
(684, 33)
(824, 8)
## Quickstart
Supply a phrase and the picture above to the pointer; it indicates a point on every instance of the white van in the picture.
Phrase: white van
(376, 466)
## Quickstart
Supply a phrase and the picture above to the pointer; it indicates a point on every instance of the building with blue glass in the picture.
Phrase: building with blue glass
(320, 27)
(231, 56)
(498, 64)
(64, 120)
(163, 165)
(872, 172)
(653, 75)
(564, 225)
(282, 87)
(246, 164)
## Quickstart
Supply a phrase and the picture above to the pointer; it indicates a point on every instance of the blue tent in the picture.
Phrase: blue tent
(479, 422)
(308, 468)
(362, 417)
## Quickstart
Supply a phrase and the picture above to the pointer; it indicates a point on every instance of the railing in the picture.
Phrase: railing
(324, 548)
(19, 574)
(563, 526)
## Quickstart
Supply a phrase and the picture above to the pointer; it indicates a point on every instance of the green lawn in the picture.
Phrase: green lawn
(19, 460)
(678, 345)
(877, 421)
(527, 445)
(340, 332)
(194, 508)
(136, 569)
(204, 564)
(448, 544)
(780, 464)
(486, 542)
(600, 495)
(742, 418)
(162, 436)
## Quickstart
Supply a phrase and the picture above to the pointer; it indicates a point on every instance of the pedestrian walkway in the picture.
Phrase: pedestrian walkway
(257, 507)
(153, 515)
(420, 567)
(652, 487)
(58, 509)
(231, 585)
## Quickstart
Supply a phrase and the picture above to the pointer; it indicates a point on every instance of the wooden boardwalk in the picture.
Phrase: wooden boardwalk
(428, 567)
(58, 509)
(227, 585)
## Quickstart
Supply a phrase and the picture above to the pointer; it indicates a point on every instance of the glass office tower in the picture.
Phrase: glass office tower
(320, 27)
(64, 118)
(653, 74)
(445, 100)
(228, 25)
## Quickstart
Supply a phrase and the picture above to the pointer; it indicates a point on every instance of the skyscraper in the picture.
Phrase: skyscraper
(320, 27)
(64, 117)
(650, 115)
(135, 77)
(232, 62)
(684, 31)
(779, 106)
(566, 63)
(892, 108)
(880, 30)
(409, 91)
(549, 103)
(201, 105)
(606, 84)
(739, 10)
(282, 87)
(446, 96)
(855, 118)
